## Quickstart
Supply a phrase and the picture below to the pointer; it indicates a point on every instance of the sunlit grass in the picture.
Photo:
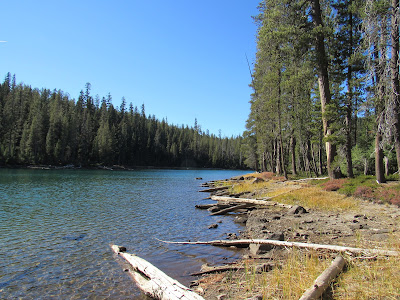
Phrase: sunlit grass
(315, 198)
(371, 279)
(362, 278)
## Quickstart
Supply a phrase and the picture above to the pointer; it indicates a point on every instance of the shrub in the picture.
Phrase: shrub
(364, 192)
(389, 195)
(334, 185)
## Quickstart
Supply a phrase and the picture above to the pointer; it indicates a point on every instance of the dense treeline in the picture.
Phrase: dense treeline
(326, 88)
(48, 127)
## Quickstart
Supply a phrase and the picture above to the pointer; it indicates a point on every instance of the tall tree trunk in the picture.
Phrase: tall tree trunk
(394, 70)
(293, 153)
(349, 110)
(282, 155)
(320, 165)
(324, 89)
(379, 169)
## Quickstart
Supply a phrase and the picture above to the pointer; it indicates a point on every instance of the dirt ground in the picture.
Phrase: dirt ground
(370, 226)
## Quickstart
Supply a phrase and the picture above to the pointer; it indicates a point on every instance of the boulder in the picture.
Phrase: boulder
(297, 210)
(257, 180)
(257, 249)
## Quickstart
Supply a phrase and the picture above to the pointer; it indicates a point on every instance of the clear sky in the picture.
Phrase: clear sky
(182, 59)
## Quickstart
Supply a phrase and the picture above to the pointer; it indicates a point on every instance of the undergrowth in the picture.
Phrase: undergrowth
(365, 187)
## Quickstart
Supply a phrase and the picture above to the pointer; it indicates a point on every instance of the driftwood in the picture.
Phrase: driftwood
(152, 281)
(231, 208)
(250, 201)
(209, 270)
(334, 248)
(204, 206)
(214, 189)
(323, 280)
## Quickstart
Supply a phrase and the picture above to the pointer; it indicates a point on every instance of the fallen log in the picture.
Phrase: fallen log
(204, 206)
(334, 248)
(152, 281)
(231, 208)
(250, 201)
(323, 280)
(210, 190)
(210, 270)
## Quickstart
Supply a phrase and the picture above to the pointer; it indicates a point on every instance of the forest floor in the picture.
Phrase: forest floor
(328, 218)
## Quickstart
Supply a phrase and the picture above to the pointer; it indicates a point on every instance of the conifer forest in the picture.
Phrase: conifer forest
(43, 127)
(326, 88)
(326, 100)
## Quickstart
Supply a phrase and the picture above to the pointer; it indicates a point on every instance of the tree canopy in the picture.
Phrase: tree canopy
(50, 127)
(326, 88)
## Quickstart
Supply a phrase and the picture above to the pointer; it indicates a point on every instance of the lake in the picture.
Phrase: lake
(56, 227)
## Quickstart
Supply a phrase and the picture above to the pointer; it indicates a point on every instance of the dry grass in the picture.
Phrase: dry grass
(294, 277)
(375, 278)
(298, 194)
(249, 187)
(316, 198)
(371, 279)
(362, 278)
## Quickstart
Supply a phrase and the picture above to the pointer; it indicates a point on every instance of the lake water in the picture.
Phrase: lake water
(56, 227)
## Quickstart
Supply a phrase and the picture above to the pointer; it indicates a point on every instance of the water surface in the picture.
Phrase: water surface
(56, 227)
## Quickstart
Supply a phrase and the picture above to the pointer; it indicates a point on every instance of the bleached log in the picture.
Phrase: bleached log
(231, 208)
(323, 280)
(250, 201)
(152, 281)
(334, 248)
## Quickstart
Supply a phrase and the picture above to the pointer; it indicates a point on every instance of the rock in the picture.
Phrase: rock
(380, 231)
(232, 236)
(257, 180)
(263, 268)
(241, 219)
(213, 226)
(257, 249)
(257, 297)
(277, 236)
(222, 297)
(296, 210)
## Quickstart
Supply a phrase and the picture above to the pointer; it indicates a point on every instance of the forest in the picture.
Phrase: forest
(325, 101)
(326, 88)
(44, 127)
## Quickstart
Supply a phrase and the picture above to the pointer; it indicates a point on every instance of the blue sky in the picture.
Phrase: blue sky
(182, 59)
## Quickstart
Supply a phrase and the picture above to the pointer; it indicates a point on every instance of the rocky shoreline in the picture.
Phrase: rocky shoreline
(370, 223)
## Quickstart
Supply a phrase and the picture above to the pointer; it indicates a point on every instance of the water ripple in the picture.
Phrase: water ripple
(56, 227)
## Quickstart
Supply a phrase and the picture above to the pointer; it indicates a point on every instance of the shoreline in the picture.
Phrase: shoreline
(104, 167)
(367, 224)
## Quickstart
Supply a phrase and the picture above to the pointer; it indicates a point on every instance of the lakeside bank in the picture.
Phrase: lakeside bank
(325, 217)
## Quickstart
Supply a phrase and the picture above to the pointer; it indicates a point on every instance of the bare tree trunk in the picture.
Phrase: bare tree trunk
(282, 154)
(293, 153)
(324, 89)
(379, 172)
(386, 165)
(314, 163)
(321, 166)
(349, 109)
(365, 166)
(394, 68)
